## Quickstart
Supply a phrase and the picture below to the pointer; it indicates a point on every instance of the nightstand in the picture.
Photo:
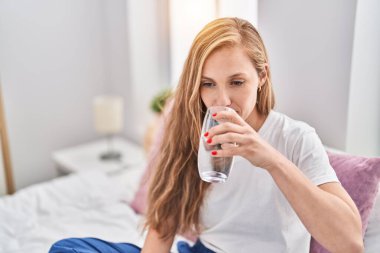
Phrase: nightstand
(87, 156)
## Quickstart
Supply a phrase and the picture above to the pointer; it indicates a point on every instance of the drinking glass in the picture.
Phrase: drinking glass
(212, 169)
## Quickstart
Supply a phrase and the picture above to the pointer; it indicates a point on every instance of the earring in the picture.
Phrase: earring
(259, 88)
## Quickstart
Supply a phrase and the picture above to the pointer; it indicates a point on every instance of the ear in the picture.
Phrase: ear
(264, 75)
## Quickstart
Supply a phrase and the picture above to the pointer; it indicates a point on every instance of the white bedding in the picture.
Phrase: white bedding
(87, 204)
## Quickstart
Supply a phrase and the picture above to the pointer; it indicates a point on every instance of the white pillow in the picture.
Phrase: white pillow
(372, 234)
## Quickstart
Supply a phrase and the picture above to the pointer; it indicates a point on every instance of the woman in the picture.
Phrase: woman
(281, 189)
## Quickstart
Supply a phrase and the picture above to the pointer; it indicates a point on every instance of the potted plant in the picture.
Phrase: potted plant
(157, 105)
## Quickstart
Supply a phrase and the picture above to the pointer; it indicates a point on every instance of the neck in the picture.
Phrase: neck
(256, 120)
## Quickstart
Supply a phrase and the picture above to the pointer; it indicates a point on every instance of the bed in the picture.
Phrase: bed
(85, 204)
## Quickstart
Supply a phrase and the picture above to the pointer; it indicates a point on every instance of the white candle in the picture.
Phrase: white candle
(108, 112)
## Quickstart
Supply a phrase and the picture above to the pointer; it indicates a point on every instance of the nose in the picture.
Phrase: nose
(222, 98)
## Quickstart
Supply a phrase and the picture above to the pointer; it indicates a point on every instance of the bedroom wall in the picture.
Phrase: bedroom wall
(189, 17)
(310, 48)
(363, 133)
(55, 56)
(3, 186)
(136, 59)
(186, 20)
(52, 64)
(149, 62)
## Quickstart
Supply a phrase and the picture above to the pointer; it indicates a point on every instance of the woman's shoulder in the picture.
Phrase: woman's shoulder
(293, 137)
(287, 126)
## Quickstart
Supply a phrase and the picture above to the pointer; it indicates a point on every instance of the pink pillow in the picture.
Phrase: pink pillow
(360, 177)
(139, 203)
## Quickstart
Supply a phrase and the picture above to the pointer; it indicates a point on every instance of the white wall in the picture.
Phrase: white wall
(310, 47)
(3, 183)
(363, 134)
(246, 9)
(148, 56)
(52, 64)
(187, 18)
(55, 56)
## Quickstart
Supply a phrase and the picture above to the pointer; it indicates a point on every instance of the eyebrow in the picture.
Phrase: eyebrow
(231, 76)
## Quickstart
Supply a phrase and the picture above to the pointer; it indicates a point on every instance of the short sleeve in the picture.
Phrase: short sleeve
(311, 158)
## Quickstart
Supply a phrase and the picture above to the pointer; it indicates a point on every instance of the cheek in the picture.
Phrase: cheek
(248, 104)
(205, 97)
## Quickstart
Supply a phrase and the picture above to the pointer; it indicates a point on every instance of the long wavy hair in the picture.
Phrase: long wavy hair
(176, 192)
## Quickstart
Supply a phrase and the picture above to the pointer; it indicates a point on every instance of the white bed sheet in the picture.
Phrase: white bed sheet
(87, 204)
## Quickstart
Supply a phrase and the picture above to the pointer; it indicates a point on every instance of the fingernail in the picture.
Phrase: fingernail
(209, 140)
(214, 152)
(206, 134)
(214, 115)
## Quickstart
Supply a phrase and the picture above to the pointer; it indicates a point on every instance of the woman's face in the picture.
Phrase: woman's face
(230, 79)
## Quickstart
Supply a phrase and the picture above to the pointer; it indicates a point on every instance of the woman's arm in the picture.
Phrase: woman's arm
(327, 211)
(154, 244)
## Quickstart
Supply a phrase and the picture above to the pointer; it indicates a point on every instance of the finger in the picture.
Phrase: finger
(229, 145)
(227, 152)
(228, 138)
(224, 128)
(228, 116)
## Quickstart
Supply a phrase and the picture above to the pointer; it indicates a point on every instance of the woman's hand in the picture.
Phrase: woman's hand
(233, 129)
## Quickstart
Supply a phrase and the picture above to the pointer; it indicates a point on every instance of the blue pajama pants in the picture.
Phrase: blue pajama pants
(94, 245)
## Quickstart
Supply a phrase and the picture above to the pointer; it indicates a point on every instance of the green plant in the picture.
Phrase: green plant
(158, 102)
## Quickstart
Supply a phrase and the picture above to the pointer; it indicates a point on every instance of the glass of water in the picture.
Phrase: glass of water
(212, 169)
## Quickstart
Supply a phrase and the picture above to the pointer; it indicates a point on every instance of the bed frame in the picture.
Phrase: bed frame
(7, 166)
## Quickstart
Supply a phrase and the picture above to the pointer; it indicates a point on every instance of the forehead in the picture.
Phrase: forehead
(226, 61)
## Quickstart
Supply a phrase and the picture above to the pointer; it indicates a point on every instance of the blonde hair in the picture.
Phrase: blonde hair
(176, 191)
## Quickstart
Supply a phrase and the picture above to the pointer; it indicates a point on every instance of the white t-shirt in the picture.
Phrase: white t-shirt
(249, 213)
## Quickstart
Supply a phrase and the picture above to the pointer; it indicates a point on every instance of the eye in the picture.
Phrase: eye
(207, 84)
(237, 82)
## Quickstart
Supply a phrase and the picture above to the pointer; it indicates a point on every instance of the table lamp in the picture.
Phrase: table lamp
(108, 115)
